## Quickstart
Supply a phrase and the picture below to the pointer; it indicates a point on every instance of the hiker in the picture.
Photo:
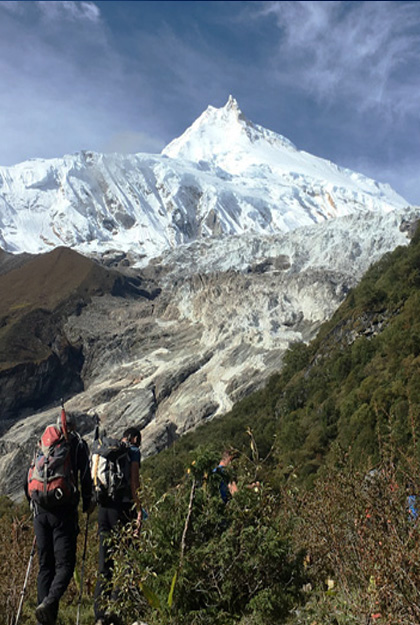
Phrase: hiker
(118, 509)
(55, 508)
(228, 485)
(412, 503)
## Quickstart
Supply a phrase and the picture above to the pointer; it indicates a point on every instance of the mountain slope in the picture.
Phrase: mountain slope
(38, 364)
(354, 388)
(224, 176)
(219, 318)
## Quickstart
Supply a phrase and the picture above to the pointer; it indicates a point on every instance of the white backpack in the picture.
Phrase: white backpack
(110, 468)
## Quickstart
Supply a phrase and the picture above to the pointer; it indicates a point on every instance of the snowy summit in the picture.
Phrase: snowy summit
(225, 175)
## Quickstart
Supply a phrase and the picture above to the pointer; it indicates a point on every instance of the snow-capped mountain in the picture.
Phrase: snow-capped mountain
(224, 175)
(220, 311)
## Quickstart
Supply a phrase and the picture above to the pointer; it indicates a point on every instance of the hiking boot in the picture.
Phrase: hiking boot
(112, 619)
(46, 613)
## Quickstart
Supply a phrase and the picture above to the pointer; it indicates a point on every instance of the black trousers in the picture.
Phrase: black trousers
(56, 538)
(109, 519)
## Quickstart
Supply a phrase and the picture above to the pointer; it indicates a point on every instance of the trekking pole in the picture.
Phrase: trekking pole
(83, 570)
(63, 420)
(25, 583)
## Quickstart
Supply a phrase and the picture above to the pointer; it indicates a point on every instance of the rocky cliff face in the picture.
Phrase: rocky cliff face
(212, 326)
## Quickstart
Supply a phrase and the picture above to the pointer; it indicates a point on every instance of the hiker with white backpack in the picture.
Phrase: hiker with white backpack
(52, 486)
(115, 466)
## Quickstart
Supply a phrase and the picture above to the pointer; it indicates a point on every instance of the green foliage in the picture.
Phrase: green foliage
(296, 358)
(208, 562)
(256, 412)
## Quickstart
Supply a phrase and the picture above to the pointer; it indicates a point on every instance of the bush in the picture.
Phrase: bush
(200, 561)
(16, 539)
(363, 549)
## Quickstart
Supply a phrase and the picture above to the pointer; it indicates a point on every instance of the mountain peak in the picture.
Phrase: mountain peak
(232, 112)
(226, 113)
(218, 132)
(225, 175)
(231, 103)
(233, 106)
(209, 132)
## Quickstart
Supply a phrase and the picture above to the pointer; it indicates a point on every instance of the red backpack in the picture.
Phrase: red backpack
(51, 480)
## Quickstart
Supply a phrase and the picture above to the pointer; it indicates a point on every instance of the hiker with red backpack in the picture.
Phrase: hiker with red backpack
(61, 459)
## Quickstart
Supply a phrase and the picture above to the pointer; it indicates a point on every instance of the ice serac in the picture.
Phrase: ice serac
(224, 176)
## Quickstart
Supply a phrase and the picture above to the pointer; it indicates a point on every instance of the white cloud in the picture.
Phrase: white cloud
(336, 50)
(56, 10)
(76, 11)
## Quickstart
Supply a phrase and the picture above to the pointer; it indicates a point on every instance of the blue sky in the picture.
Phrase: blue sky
(339, 79)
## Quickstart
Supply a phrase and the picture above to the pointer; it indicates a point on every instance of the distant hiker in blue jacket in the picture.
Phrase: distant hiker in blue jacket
(413, 512)
(228, 485)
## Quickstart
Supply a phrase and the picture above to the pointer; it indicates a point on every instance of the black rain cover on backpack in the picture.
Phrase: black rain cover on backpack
(110, 469)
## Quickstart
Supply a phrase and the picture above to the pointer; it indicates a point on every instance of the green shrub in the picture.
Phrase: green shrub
(199, 560)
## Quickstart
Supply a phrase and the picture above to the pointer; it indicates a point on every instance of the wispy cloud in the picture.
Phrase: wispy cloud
(341, 50)
(55, 10)
(64, 87)
(76, 11)
(185, 65)
(12, 6)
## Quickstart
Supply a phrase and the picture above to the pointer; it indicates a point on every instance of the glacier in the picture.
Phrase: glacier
(224, 176)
